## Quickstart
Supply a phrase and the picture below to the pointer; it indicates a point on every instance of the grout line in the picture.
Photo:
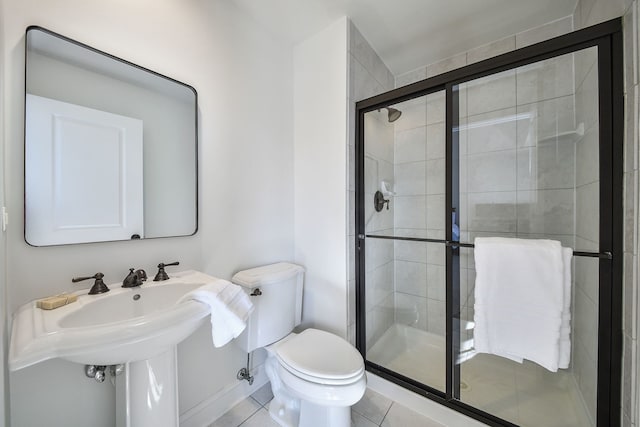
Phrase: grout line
(387, 413)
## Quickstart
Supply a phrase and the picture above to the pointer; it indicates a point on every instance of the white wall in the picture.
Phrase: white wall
(320, 173)
(243, 76)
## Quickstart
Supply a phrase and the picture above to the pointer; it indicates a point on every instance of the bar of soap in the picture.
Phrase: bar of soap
(56, 301)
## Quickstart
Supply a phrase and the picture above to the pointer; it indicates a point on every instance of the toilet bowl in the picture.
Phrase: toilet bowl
(315, 376)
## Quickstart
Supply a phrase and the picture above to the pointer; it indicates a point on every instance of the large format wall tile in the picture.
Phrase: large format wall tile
(495, 171)
(491, 93)
(546, 212)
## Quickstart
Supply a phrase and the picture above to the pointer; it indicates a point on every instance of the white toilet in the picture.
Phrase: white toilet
(315, 376)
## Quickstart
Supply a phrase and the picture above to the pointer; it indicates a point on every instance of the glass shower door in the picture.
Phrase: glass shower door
(527, 155)
(404, 204)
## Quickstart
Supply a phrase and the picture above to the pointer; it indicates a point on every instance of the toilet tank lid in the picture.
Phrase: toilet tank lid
(266, 275)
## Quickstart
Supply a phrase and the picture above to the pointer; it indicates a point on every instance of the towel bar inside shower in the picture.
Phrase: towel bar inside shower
(601, 255)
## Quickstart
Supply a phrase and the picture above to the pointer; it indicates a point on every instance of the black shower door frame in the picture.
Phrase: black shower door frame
(607, 37)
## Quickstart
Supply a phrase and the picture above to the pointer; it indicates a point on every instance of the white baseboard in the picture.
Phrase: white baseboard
(420, 404)
(206, 412)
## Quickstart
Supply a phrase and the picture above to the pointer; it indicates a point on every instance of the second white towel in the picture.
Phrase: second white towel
(522, 300)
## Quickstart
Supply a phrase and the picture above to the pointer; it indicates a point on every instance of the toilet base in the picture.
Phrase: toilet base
(297, 413)
(312, 415)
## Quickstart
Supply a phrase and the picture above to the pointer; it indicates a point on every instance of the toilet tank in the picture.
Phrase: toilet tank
(276, 293)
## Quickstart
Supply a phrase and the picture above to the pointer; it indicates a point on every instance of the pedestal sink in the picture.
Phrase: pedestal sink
(139, 327)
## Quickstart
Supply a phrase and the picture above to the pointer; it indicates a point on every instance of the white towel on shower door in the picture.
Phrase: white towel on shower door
(520, 299)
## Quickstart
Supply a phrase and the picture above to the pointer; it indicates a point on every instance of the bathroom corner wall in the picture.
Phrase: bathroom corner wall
(320, 97)
(243, 76)
(590, 12)
(369, 76)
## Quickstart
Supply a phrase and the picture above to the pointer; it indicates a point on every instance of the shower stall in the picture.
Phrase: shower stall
(526, 145)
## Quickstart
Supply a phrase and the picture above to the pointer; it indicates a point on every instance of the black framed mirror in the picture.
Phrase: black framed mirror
(111, 148)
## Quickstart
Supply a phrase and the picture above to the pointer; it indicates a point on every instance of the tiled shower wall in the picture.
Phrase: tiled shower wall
(369, 76)
(419, 183)
(588, 12)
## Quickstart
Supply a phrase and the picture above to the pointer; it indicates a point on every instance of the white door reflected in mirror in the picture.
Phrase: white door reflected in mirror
(84, 174)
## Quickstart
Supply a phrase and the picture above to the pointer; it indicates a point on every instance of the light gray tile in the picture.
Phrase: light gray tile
(410, 251)
(584, 60)
(493, 131)
(494, 92)
(588, 212)
(410, 145)
(586, 108)
(411, 278)
(238, 414)
(410, 212)
(588, 158)
(603, 10)
(630, 55)
(436, 317)
(544, 32)
(492, 49)
(586, 276)
(550, 165)
(436, 287)
(400, 416)
(629, 296)
(586, 324)
(435, 212)
(263, 395)
(410, 179)
(435, 253)
(447, 64)
(260, 419)
(363, 84)
(360, 421)
(630, 129)
(435, 176)
(550, 120)
(546, 212)
(435, 106)
(378, 253)
(494, 171)
(436, 142)
(411, 77)
(373, 406)
(543, 80)
(411, 310)
(414, 114)
(379, 284)
(492, 212)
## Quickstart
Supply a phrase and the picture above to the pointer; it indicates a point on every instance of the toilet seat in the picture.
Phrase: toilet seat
(320, 357)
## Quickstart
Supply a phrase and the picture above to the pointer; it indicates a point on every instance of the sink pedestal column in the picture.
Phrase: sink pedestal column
(147, 392)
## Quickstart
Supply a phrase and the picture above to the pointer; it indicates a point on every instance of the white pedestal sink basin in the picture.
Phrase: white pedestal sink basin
(139, 327)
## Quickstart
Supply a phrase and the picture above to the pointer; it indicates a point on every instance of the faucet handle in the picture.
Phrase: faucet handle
(162, 275)
(98, 286)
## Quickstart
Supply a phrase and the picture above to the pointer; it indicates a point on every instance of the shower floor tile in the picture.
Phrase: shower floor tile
(524, 394)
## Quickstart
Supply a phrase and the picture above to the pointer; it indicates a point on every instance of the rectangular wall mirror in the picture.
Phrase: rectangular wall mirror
(110, 147)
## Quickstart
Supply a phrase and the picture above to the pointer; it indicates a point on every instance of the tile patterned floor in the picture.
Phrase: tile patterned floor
(374, 410)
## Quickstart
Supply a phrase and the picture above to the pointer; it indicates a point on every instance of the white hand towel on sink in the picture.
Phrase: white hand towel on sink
(230, 309)
(520, 300)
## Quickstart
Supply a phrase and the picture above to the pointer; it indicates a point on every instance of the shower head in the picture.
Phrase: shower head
(393, 114)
